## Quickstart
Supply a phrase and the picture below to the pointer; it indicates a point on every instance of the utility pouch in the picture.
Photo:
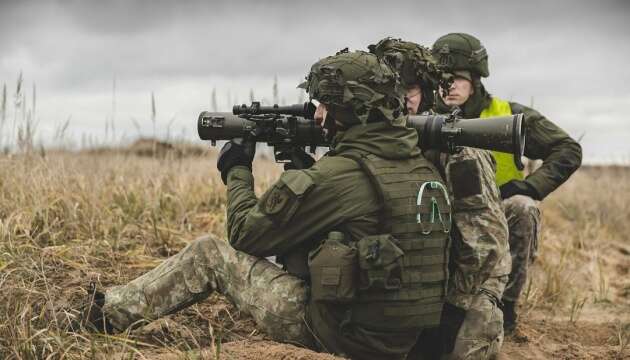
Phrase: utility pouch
(333, 269)
(380, 262)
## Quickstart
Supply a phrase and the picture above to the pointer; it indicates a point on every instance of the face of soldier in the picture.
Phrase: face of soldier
(413, 99)
(320, 114)
(320, 119)
(461, 89)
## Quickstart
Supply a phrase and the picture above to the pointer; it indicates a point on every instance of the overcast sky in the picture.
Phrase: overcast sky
(569, 57)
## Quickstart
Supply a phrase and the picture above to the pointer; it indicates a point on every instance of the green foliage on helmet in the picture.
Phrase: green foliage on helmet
(459, 51)
(415, 65)
(413, 62)
(356, 87)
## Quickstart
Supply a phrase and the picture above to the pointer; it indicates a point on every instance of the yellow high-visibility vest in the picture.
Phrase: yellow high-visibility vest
(506, 170)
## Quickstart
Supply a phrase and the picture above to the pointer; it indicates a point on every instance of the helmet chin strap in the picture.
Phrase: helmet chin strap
(330, 126)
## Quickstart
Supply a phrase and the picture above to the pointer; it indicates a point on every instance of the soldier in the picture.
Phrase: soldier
(471, 325)
(418, 70)
(466, 57)
(374, 258)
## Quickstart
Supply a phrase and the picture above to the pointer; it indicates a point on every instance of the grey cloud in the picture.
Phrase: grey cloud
(73, 49)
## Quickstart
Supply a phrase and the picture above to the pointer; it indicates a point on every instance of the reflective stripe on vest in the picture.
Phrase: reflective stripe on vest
(506, 170)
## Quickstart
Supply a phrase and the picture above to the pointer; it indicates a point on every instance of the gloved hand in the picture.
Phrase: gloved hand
(299, 159)
(450, 322)
(518, 187)
(234, 153)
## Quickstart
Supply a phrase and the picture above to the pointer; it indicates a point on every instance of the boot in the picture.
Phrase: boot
(510, 317)
(93, 318)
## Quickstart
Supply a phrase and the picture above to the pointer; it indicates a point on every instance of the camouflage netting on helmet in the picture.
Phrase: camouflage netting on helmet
(415, 65)
(460, 51)
(413, 62)
(356, 87)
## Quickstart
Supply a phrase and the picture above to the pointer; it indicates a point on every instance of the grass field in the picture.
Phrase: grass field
(67, 219)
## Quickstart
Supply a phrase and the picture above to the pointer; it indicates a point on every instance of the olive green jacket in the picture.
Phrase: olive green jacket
(561, 155)
(299, 210)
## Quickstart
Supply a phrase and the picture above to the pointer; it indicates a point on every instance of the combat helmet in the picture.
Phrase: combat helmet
(460, 51)
(415, 65)
(357, 88)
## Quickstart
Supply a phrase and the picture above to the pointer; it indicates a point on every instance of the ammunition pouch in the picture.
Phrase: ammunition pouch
(333, 268)
(380, 262)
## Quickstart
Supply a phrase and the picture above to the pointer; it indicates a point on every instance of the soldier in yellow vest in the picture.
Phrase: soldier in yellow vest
(471, 324)
(466, 57)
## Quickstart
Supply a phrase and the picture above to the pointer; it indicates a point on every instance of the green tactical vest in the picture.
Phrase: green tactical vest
(417, 214)
(506, 170)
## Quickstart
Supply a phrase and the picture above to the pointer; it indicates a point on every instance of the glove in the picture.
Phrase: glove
(518, 187)
(450, 322)
(298, 159)
(235, 153)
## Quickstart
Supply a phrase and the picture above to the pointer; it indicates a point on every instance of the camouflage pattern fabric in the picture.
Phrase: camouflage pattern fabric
(481, 333)
(523, 218)
(480, 249)
(415, 65)
(479, 258)
(275, 299)
(355, 86)
(413, 62)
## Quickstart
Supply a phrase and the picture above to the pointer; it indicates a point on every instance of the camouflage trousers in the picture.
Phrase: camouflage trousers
(481, 333)
(275, 299)
(479, 336)
(523, 217)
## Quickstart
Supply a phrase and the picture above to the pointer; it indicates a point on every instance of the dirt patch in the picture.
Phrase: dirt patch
(248, 350)
(597, 337)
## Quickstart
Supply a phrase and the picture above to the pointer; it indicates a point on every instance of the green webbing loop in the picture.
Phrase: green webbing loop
(435, 208)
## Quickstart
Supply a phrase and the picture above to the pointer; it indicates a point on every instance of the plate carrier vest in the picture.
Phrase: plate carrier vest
(416, 211)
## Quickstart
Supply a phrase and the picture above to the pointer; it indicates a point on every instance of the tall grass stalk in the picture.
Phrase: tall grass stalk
(3, 113)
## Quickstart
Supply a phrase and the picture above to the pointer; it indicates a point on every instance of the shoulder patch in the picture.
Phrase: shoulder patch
(281, 201)
(276, 200)
(465, 178)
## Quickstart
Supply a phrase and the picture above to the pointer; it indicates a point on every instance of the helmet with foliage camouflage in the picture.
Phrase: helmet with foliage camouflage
(357, 88)
(413, 62)
(459, 51)
(415, 65)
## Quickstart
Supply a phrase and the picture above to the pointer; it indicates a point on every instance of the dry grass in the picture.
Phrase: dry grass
(67, 219)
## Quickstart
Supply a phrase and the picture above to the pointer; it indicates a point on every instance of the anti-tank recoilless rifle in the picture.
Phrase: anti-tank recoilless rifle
(289, 127)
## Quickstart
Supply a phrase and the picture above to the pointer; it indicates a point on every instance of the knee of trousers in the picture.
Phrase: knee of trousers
(277, 302)
(523, 218)
(521, 207)
(481, 333)
(196, 263)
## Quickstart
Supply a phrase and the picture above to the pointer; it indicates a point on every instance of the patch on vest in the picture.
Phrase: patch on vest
(465, 178)
(276, 201)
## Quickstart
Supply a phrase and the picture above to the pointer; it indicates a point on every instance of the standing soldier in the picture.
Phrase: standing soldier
(373, 218)
(472, 322)
(466, 58)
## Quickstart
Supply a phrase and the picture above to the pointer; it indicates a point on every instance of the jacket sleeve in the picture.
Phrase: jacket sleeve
(293, 211)
(480, 247)
(545, 141)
